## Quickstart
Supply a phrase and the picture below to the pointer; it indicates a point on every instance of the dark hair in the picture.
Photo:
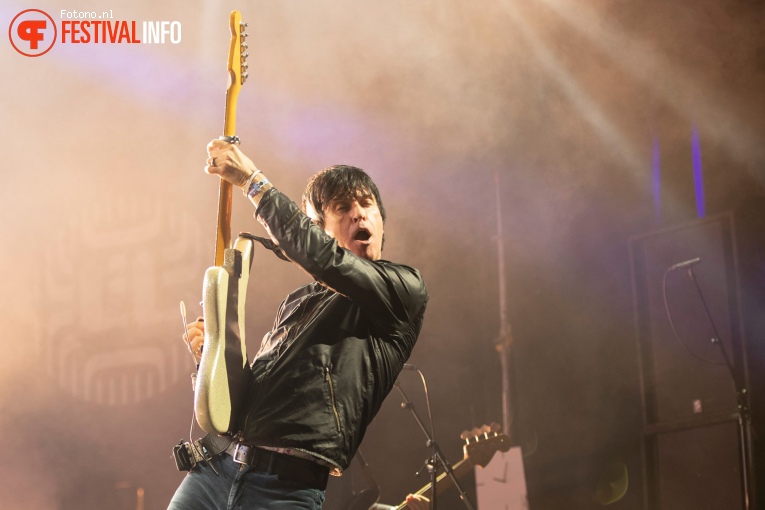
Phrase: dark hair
(336, 183)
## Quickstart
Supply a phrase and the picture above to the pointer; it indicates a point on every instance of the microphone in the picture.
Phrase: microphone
(687, 263)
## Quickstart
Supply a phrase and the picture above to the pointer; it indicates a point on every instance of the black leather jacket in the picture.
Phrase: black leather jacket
(337, 345)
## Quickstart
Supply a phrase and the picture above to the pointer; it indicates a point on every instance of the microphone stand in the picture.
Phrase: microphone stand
(504, 342)
(744, 417)
(436, 455)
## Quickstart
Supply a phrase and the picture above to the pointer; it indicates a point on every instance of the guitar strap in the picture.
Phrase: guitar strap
(267, 244)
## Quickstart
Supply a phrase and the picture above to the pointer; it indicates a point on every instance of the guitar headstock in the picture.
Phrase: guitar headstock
(237, 68)
(482, 443)
(237, 53)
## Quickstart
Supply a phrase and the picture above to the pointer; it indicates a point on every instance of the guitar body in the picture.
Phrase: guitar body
(223, 374)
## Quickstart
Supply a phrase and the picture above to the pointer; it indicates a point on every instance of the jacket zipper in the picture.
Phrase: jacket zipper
(332, 397)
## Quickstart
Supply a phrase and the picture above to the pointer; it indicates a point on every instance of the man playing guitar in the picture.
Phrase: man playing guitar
(335, 350)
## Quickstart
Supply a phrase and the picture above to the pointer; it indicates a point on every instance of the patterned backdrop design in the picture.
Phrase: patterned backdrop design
(109, 293)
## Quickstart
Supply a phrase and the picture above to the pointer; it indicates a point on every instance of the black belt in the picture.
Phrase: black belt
(287, 467)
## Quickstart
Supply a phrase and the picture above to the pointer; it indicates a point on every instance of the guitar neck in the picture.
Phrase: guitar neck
(223, 230)
(235, 80)
(444, 481)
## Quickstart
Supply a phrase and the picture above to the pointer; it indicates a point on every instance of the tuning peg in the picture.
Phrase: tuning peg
(243, 47)
(245, 55)
(245, 65)
(244, 77)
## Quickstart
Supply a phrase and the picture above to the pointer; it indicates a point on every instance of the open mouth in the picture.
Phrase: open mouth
(362, 235)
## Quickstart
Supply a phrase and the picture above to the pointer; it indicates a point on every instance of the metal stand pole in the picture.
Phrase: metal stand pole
(437, 455)
(744, 417)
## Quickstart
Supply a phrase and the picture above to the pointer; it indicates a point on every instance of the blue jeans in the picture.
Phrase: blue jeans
(238, 487)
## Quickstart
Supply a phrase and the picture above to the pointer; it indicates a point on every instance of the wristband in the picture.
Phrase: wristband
(256, 187)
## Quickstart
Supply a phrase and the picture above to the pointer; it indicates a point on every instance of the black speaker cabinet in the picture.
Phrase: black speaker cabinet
(698, 466)
(690, 347)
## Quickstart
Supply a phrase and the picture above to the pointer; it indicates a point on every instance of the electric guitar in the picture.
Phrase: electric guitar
(223, 371)
(478, 450)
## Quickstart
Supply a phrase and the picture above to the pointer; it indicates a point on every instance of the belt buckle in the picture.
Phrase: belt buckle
(243, 453)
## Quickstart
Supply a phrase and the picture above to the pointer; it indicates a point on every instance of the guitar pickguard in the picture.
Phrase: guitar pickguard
(223, 372)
